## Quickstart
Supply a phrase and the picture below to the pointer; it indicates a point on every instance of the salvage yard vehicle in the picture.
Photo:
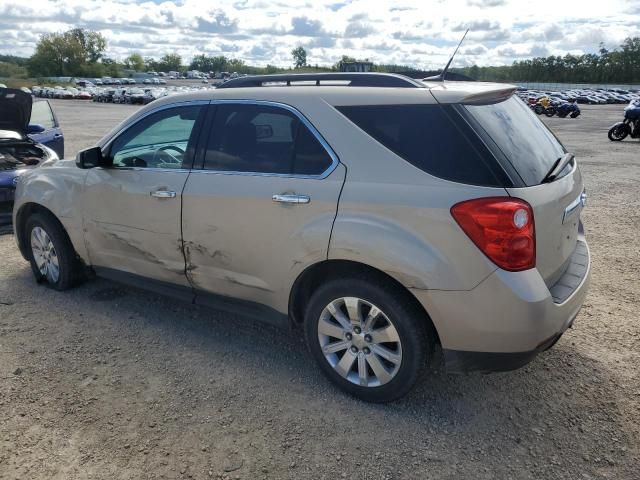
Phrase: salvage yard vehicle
(20, 149)
(378, 215)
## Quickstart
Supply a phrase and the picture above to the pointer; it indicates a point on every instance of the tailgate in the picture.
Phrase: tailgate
(556, 212)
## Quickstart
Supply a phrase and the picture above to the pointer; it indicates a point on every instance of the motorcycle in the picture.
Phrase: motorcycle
(630, 126)
(549, 110)
(570, 109)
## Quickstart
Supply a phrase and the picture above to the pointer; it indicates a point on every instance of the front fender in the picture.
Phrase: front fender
(57, 188)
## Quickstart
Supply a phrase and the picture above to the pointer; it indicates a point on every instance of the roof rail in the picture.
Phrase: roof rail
(351, 79)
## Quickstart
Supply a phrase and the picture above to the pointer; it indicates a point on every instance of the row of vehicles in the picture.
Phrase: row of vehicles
(592, 96)
(128, 95)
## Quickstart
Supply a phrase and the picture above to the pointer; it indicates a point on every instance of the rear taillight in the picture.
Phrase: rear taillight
(502, 228)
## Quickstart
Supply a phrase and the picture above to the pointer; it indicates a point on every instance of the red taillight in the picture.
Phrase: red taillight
(502, 228)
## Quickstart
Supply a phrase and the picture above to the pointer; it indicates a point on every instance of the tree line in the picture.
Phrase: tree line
(81, 53)
(621, 65)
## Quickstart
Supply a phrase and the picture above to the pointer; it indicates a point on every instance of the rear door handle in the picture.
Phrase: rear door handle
(283, 198)
(163, 194)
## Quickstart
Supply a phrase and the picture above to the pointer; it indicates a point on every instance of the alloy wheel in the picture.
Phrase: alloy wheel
(359, 341)
(44, 254)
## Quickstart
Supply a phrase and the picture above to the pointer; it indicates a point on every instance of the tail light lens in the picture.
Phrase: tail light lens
(502, 228)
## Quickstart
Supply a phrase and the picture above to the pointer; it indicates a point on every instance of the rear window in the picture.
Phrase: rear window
(523, 139)
(429, 138)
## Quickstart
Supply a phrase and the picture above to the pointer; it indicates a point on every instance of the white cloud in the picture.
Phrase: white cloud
(258, 31)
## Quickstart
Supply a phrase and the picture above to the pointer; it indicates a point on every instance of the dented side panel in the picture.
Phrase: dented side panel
(129, 230)
(56, 186)
(240, 243)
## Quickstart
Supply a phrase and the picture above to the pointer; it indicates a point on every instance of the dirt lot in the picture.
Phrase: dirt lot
(110, 382)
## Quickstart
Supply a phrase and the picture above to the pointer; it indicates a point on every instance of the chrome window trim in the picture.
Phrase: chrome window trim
(314, 131)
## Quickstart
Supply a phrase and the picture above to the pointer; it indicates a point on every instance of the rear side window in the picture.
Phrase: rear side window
(427, 137)
(41, 114)
(523, 139)
(263, 139)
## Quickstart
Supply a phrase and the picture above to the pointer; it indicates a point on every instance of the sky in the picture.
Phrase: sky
(422, 33)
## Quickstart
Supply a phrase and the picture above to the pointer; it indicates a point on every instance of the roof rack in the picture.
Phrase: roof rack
(350, 79)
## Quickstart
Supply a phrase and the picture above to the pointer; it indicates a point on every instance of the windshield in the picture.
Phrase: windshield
(526, 142)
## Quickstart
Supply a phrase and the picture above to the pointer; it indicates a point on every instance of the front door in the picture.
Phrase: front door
(132, 210)
(262, 206)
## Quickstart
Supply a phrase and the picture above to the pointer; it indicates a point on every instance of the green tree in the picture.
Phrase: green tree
(67, 53)
(170, 62)
(299, 57)
(134, 62)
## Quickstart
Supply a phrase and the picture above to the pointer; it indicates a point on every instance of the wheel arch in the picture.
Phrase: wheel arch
(312, 277)
(25, 211)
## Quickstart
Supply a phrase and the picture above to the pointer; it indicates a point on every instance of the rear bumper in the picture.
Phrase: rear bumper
(510, 317)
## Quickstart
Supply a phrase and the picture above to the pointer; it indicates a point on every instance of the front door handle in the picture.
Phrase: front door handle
(297, 199)
(163, 194)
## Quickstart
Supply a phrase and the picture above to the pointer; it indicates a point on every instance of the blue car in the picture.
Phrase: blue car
(29, 135)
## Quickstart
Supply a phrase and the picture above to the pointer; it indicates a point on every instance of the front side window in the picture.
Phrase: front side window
(263, 139)
(162, 140)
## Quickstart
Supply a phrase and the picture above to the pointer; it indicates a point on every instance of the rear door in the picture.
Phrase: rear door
(261, 207)
(529, 150)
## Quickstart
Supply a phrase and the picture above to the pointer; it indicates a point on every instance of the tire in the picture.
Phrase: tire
(575, 114)
(550, 112)
(398, 318)
(618, 132)
(63, 252)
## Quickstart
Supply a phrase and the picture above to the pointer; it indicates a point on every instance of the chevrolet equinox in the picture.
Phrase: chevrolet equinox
(379, 216)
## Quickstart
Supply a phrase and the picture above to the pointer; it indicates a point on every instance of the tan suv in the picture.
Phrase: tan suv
(381, 216)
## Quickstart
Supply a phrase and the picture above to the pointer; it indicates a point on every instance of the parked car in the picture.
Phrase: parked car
(119, 95)
(134, 95)
(20, 149)
(457, 225)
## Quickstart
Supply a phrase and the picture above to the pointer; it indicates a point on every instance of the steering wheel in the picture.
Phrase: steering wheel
(165, 152)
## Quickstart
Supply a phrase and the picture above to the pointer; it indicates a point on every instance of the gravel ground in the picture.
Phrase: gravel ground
(110, 382)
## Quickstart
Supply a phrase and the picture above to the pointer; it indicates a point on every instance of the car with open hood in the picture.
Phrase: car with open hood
(19, 151)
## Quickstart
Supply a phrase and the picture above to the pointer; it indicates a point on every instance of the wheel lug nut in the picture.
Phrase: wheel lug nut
(354, 349)
(357, 330)
(367, 338)
(349, 336)
(366, 350)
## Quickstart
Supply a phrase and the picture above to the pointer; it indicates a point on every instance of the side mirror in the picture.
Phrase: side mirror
(34, 128)
(90, 158)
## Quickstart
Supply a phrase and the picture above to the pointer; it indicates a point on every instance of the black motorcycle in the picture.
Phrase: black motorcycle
(630, 126)
(570, 109)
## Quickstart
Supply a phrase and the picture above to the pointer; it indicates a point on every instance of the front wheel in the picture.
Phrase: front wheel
(52, 257)
(368, 339)
(618, 132)
(550, 112)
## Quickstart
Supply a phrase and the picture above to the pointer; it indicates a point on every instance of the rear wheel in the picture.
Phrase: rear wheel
(367, 338)
(52, 258)
(618, 132)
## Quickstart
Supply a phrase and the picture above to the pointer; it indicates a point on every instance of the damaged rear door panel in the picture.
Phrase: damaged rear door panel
(261, 207)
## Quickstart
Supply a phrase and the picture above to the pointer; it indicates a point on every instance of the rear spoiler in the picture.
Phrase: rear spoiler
(490, 97)
(472, 93)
